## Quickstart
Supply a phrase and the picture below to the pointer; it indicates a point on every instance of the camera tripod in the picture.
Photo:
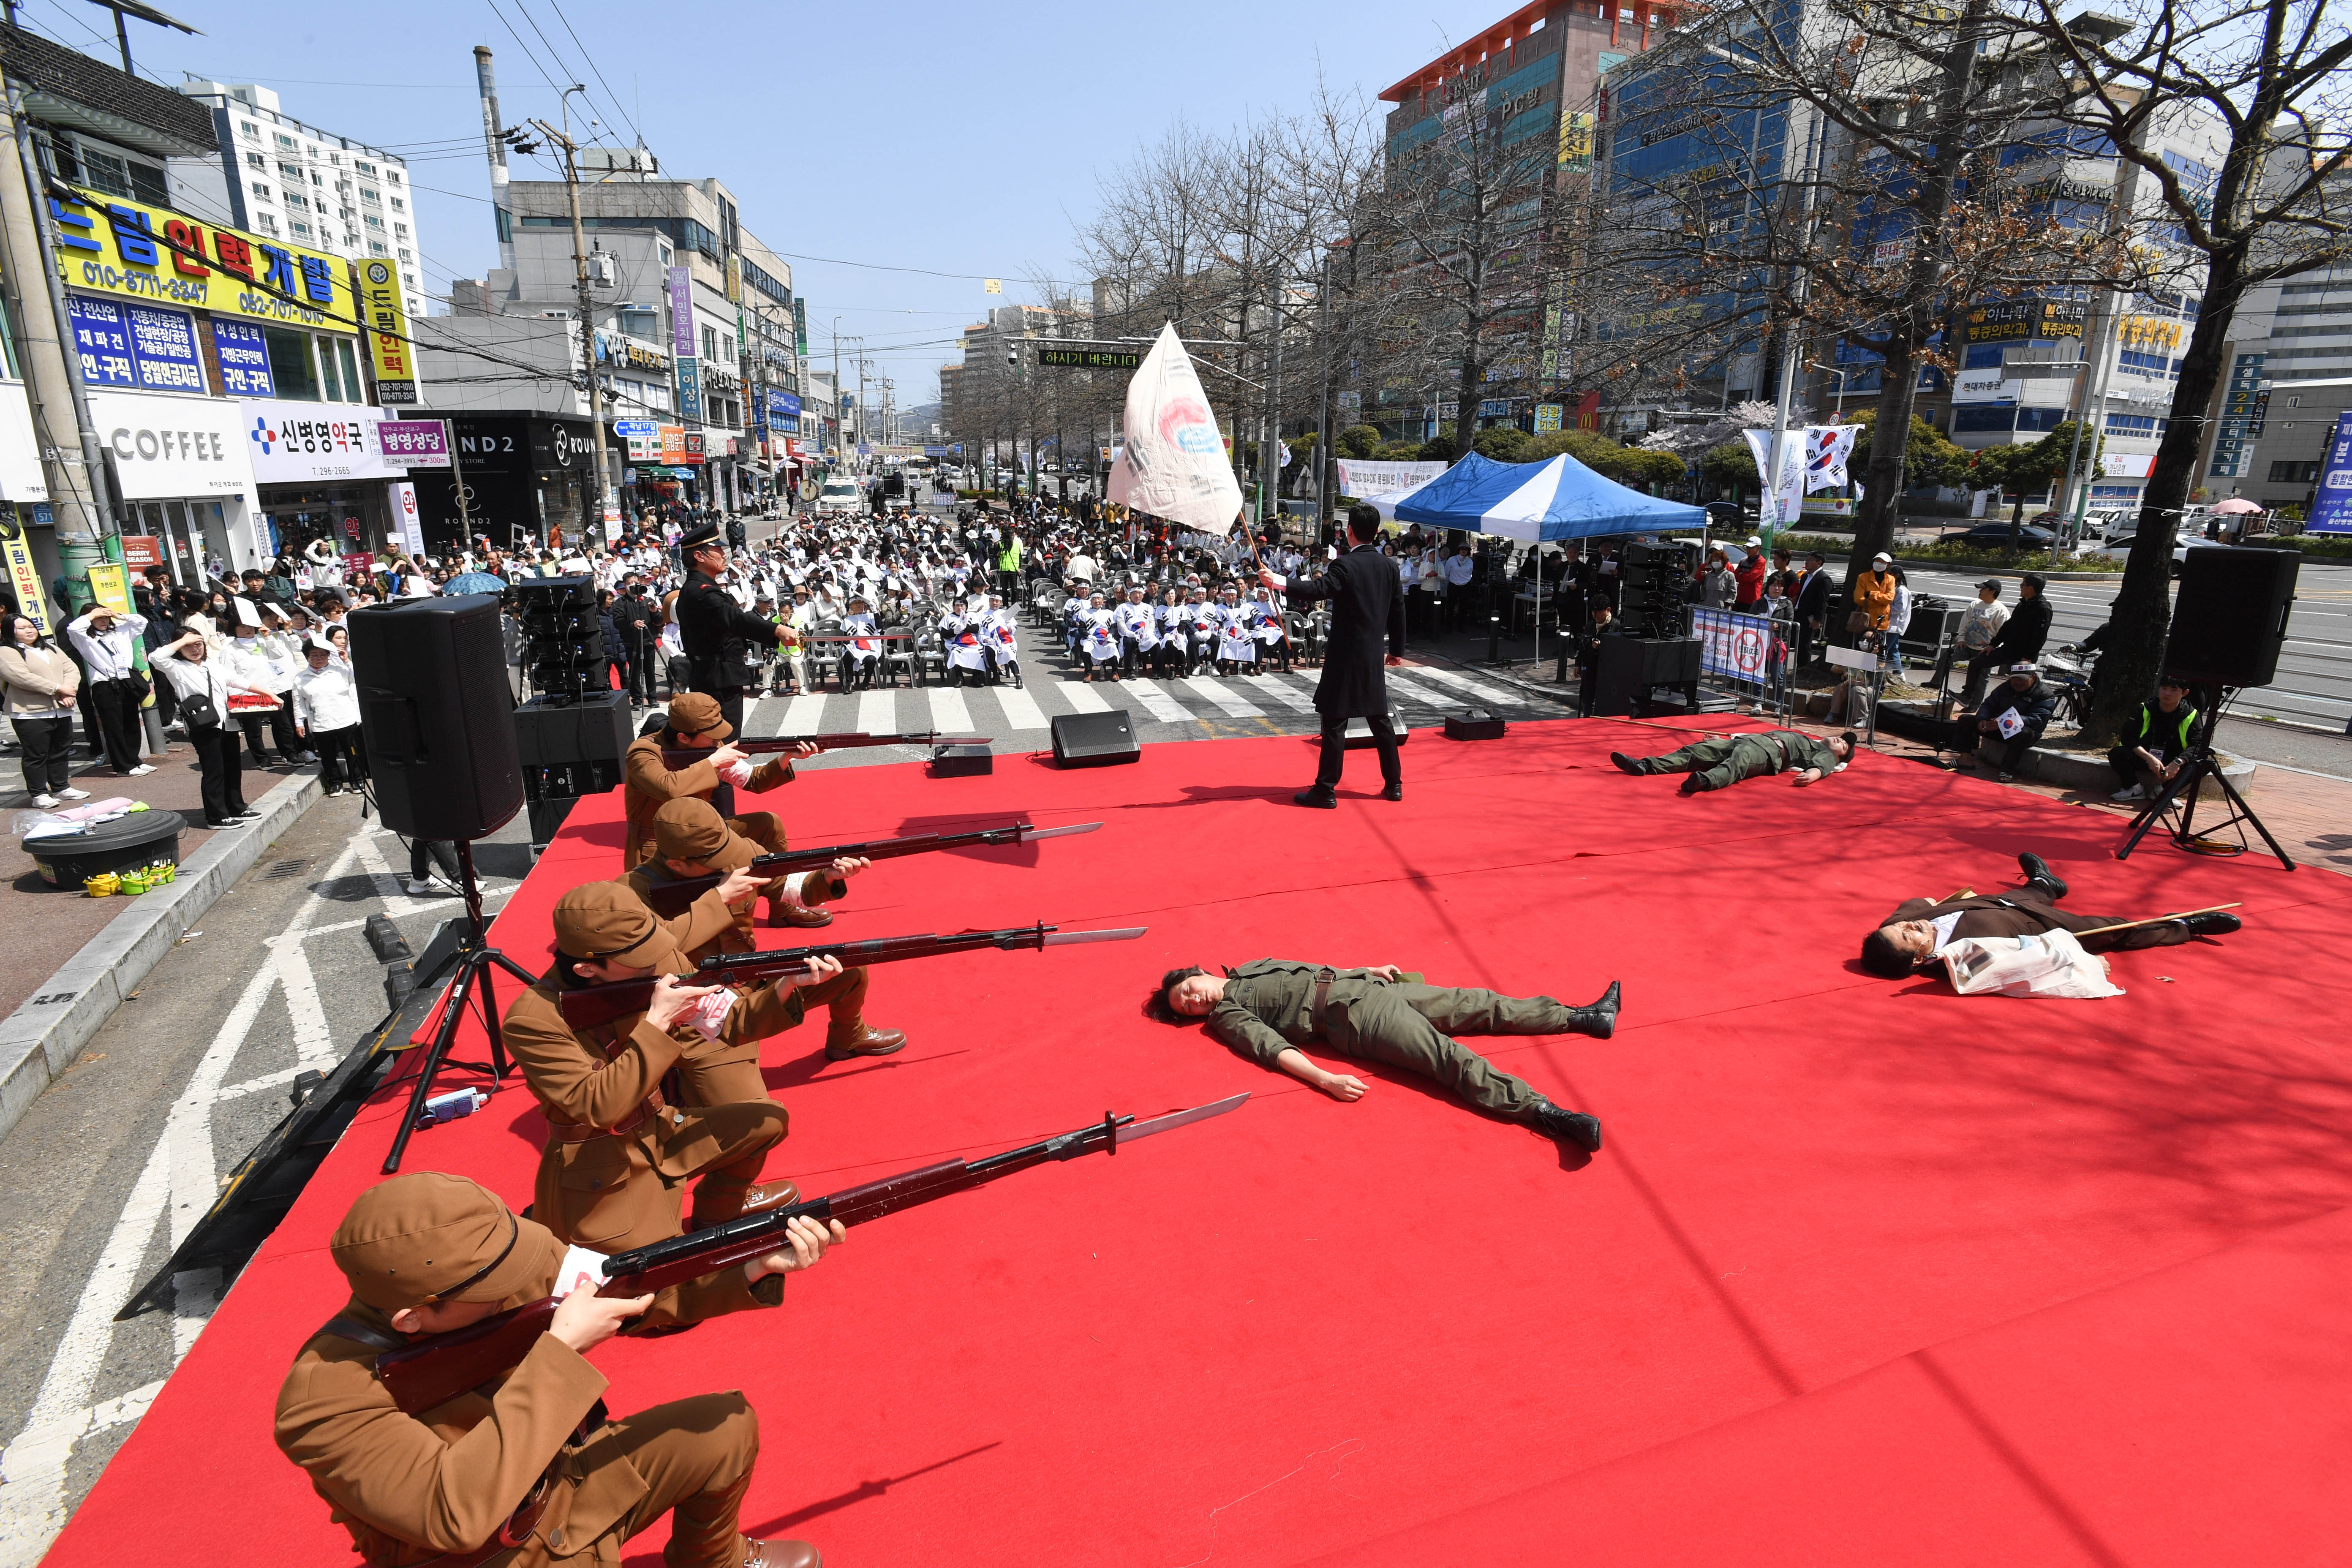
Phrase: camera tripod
(2198, 764)
(473, 959)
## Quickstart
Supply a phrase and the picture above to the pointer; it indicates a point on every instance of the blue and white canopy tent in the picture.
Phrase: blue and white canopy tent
(1559, 500)
(1540, 502)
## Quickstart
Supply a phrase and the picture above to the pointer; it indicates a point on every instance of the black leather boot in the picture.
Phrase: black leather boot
(1568, 1127)
(2039, 875)
(1625, 764)
(1600, 1019)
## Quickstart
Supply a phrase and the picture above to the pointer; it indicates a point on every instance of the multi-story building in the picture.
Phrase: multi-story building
(1536, 74)
(233, 398)
(2290, 379)
(280, 176)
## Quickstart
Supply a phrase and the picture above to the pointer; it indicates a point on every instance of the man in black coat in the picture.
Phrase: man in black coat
(1813, 608)
(2021, 637)
(717, 631)
(1367, 622)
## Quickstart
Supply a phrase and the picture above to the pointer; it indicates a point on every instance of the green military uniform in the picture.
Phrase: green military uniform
(1270, 1005)
(1724, 760)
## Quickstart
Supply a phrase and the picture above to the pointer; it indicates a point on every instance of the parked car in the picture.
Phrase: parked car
(2121, 546)
(841, 495)
(1995, 536)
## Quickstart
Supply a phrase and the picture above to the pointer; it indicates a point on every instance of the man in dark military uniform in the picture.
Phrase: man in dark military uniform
(1266, 1009)
(717, 631)
(1367, 624)
(526, 1471)
(1724, 760)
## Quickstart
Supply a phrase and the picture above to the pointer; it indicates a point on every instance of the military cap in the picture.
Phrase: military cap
(691, 829)
(426, 1237)
(604, 919)
(697, 713)
(700, 537)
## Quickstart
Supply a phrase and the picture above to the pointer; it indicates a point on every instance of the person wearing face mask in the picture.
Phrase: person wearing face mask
(43, 686)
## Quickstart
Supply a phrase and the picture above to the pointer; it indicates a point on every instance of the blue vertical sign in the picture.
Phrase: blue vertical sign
(2332, 512)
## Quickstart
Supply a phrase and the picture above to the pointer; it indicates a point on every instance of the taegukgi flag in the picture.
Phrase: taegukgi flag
(1173, 464)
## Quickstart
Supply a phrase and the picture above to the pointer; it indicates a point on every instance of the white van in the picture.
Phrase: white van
(840, 494)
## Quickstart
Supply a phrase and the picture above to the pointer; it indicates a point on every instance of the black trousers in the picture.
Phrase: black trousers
(1335, 750)
(426, 853)
(637, 672)
(279, 723)
(49, 754)
(114, 704)
(340, 760)
(223, 767)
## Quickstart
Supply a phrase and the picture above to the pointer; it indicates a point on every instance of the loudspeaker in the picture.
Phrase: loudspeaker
(551, 789)
(2230, 617)
(1359, 732)
(437, 715)
(548, 732)
(1095, 739)
(564, 637)
(961, 761)
(1627, 668)
(1933, 620)
(1477, 725)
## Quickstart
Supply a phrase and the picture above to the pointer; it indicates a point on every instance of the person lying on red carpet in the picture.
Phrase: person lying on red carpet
(529, 1469)
(1909, 939)
(1718, 761)
(1267, 1008)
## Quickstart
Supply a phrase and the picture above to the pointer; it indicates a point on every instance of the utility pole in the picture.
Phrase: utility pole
(50, 363)
(593, 506)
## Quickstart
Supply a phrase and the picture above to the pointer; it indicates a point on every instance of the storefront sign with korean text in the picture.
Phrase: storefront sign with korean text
(415, 443)
(300, 443)
(244, 358)
(135, 346)
(387, 319)
(159, 257)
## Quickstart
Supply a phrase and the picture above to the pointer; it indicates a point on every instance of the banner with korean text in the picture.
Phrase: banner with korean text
(158, 256)
(393, 356)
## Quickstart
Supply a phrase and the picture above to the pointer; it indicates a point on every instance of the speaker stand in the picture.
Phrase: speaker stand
(2186, 788)
(473, 961)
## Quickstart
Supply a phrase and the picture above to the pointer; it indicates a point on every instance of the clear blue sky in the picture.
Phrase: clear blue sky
(959, 138)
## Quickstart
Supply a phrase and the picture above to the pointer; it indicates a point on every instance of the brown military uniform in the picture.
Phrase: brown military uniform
(611, 1176)
(440, 1486)
(650, 785)
(691, 831)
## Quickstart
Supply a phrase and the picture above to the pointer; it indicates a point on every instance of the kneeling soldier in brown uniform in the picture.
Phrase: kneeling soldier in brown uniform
(528, 1471)
(697, 725)
(618, 1154)
(1266, 1009)
(689, 841)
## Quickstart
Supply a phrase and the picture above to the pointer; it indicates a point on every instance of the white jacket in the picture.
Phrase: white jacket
(326, 699)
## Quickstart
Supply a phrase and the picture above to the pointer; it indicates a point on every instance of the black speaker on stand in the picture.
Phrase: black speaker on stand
(568, 748)
(438, 723)
(564, 639)
(2229, 622)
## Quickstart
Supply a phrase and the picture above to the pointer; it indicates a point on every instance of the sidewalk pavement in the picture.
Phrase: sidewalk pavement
(45, 925)
(2310, 814)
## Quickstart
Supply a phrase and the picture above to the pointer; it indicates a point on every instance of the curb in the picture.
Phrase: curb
(41, 1039)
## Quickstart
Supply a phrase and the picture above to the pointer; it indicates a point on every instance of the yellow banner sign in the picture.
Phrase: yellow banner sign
(110, 586)
(387, 318)
(23, 576)
(152, 254)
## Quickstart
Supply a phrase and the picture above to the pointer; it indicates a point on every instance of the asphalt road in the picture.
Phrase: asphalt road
(2313, 686)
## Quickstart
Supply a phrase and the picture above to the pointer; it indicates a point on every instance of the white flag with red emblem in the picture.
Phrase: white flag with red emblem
(1173, 464)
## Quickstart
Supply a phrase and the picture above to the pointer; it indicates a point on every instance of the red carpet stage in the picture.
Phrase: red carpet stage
(1867, 1273)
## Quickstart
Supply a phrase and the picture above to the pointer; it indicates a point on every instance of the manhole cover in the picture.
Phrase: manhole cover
(284, 870)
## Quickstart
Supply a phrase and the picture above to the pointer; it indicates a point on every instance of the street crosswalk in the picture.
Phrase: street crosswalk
(1272, 701)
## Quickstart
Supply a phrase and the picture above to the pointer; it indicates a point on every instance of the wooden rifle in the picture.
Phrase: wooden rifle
(670, 900)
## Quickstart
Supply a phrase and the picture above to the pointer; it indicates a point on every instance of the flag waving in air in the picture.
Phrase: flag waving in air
(1175, 464)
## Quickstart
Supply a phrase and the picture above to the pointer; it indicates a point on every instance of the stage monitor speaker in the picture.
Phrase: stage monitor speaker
(961, 761)
(1477, 725)
(1358, 734)
(2230, 617)
(1095, 739)
(548, 733)
(437, 715)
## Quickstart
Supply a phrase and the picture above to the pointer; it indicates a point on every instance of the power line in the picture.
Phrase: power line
(638, 136)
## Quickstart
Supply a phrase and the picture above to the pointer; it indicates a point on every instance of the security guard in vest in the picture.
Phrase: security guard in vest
(2153, 747)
